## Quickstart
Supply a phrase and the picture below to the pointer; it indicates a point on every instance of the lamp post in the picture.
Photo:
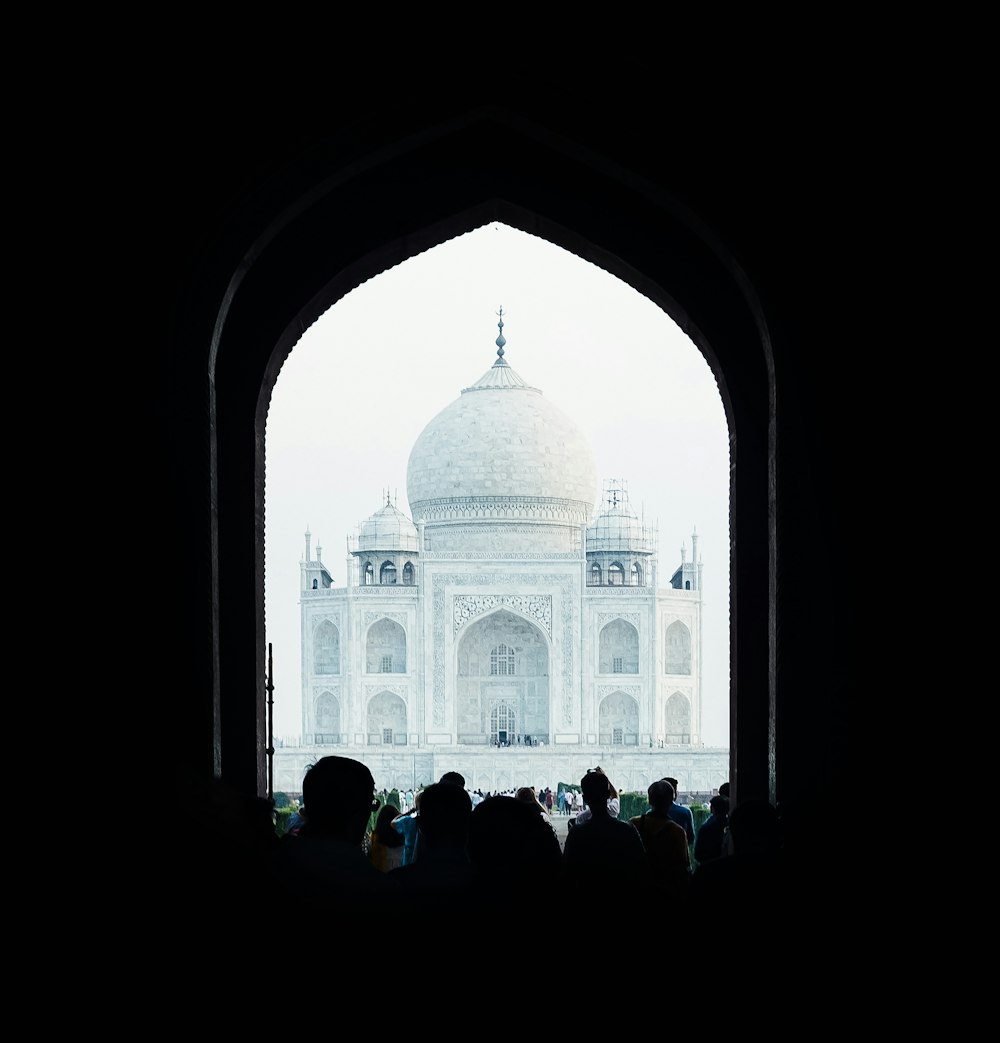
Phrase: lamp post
(270, 725)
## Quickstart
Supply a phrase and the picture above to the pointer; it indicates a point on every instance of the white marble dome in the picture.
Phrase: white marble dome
(501, 452)
(388, 529)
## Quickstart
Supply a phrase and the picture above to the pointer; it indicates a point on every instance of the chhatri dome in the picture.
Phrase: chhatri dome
(386, 530)
(501, 453)
(617, 527)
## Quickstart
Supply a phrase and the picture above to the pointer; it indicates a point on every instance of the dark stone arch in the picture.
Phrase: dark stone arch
(268, 270)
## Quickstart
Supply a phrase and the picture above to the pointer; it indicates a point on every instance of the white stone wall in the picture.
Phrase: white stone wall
(699, 770)
(551, 594)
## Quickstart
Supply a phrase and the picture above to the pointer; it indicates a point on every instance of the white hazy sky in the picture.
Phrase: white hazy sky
(375, 369)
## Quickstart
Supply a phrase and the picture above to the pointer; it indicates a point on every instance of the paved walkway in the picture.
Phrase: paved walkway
(561, 825)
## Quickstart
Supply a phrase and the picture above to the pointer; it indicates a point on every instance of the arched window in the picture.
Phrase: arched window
(387, 574)
(618, 648)
(636, 574)
(616, 574)
(326, 649)
(502, 722)
(502, 660)
(595, 575)
(315, 584)
(678, 660)
(327, 719)
(386, 648)
(408, 574)
(386, 720)
(618, 720)
(369, 577)
(677, 719)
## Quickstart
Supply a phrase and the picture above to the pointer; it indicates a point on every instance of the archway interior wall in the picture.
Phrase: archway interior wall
(385, 642)
(327, 716)
(326, 648)
(478, 690)
(677, 717)
(618, 640)
(618, 711)
(386, 711)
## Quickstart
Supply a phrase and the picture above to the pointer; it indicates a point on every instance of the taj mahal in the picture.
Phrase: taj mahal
(513, 628)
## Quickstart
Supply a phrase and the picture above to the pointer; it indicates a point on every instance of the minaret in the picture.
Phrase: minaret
(313, 571)
(694, 546)
(684, 553)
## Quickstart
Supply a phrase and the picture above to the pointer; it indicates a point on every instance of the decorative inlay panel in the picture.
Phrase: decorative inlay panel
(567, 622)
(603, 618)
(374, 616)
(673, 617)
(503, 555)
(625, 590)
(537, 607)
(388, 590)
(324, 689)
(401, 690)
(326, 617)
(604, 690)
(506, 508)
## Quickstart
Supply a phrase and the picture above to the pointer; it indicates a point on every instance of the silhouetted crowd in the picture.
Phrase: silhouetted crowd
(456, 858)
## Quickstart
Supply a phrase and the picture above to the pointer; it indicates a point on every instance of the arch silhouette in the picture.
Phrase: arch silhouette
(419, 190)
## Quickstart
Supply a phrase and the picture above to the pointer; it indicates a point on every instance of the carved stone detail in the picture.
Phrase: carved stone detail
(623, 591)
(568, 623)
(326, 617)
(401, 690)
(673, 617)
(389, 590)
(502, 555)
(603, 618)
(537, 607)
(325, 689)
(604, 690)
(506, 508)
(375, 616)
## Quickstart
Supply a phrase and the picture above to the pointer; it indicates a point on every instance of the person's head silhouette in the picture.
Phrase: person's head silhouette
(340, 795)
(445, 810)
(596, 791)
(661, 796)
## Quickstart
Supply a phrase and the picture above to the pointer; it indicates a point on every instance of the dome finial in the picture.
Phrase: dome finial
(500, 342)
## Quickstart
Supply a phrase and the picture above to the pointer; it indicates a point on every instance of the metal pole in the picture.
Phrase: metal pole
(270, 725)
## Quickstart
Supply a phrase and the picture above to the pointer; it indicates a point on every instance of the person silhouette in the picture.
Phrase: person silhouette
(386, 845)
(665, 843)
(613, 802)
(681, 813)
(324, 870)
(712, 832)
(441, 881)
(516, 854)
(405, 823)
(603, 853)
